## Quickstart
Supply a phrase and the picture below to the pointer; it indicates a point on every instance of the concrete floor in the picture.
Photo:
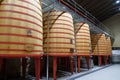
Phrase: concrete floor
(76, 76)
(109, 73)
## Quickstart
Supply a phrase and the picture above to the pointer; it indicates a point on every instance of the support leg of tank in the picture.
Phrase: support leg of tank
(88, 62)
(24, 65)
(67, 59)
(1, 63)
(108, 61)
(37, 63)
(78, 64)
(5, 69)
(100, 60)
(105, 59)
(66, 63)
(54, 67)
(71, 65)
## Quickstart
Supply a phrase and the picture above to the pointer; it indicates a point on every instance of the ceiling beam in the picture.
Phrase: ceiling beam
(106, 16)
(107, 12)
(107, 9)
(102, 7)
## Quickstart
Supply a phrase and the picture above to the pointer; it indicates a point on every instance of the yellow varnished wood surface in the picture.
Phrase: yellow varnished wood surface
(21, 25)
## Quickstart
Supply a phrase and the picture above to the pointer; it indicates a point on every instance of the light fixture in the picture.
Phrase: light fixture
(117, 2)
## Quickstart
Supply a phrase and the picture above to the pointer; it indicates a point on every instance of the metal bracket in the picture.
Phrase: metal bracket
(1, 1)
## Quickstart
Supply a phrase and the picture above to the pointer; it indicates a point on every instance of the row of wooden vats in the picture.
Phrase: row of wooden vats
(26, 32)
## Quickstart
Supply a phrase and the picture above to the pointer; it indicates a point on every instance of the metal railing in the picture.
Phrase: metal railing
(78, 12)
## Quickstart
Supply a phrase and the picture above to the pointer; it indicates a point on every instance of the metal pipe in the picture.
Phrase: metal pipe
(76, 64)
(76, 11)
(47, 67)
(95, 21)
(75, 44)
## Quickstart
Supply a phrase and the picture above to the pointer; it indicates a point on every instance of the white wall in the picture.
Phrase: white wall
(116, 56)
(114, 24)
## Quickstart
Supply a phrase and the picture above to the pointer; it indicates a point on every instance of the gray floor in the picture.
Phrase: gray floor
(109, 73)
(76, 75)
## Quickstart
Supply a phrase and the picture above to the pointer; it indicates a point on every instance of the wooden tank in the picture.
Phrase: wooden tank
(94, 44)
(109, 46)
(58, 32)
(83, 41)
(21, 27)
(99, 45)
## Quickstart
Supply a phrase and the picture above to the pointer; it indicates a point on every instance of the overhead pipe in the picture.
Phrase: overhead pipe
(76, 11)
(79, 13)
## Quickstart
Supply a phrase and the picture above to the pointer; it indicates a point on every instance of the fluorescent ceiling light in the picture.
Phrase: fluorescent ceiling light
(117, 2)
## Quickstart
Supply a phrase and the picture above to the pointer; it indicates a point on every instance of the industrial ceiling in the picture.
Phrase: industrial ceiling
(76, 9)
(101, 9)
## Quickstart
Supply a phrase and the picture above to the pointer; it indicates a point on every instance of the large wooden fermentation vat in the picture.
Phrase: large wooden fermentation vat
(109, 46)
(58, 32)
(94, 43)
(20, 27)
(83, 41)
(99, 45)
